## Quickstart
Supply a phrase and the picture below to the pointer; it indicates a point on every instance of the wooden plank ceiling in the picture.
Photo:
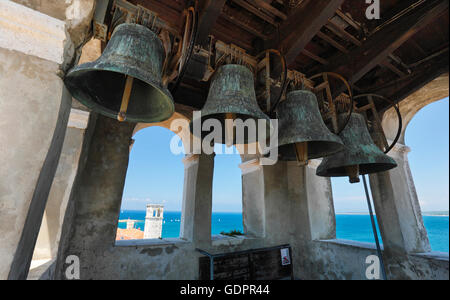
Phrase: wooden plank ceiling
(393, 56)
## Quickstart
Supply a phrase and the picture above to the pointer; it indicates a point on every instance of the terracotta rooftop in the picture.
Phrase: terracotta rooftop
(129, 234)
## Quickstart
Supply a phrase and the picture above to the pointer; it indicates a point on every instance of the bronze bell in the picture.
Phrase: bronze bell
(361, 155)
(232, 96)
(302, 133)
(125, 82)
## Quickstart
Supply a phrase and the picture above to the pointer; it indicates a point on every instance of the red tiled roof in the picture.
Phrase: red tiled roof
(129, 234)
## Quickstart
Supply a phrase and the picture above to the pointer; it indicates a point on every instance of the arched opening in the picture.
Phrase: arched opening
(227, 192)
(427, 135)
(152, 198)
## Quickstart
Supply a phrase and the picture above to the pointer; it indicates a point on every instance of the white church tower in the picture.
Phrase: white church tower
(153, 221)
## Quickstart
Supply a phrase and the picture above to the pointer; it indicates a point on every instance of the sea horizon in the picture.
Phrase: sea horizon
(354, 226)
(443, 213)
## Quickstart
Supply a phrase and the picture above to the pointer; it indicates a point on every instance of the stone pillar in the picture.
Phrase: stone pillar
(35, 109)
(50, 230)
(90, 224)
(296, 204)
(288, 204)
(398, 214)
(253, 209)
(277, 204)
(197, 199)
(397, 207)
(313, 207)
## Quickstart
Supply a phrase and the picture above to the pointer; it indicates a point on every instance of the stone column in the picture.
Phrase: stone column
(313, 207)
(297, 204)
(197, 199)
(35, 109)
(90, 224)
(50, 230)
(277, 204)
(253, 208)
(312, 215)
(398, 215)
(397, 207)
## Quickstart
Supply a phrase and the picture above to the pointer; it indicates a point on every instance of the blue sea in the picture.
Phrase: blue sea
(349, 227)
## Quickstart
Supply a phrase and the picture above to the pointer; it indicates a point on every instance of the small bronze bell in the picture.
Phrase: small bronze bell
(232, 96)
(302, 133)
(361, 156)
(125, 82)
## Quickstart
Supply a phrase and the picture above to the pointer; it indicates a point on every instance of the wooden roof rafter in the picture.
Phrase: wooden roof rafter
(301, 26)
(377, 48)
(314, 36)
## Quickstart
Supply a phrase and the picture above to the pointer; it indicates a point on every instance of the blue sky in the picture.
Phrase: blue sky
(428, 135)
(155, 175)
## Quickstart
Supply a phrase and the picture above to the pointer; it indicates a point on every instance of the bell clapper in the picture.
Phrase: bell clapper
(229, 118)
(353, 173)
(301, 150)
(125, 99)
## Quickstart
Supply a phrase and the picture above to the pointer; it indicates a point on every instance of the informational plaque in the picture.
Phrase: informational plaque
(285, 258)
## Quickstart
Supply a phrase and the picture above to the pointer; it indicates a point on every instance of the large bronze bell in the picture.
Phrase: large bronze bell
(232, 96)
(302, 133)
(361, 155)
(126, 78)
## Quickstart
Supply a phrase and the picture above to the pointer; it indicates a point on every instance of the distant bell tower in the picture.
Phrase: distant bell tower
(153, 221)
(130, 224)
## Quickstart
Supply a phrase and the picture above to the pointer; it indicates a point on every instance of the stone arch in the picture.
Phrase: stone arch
(177, 124)
(432, 92)
(246, 152)
(179, 118)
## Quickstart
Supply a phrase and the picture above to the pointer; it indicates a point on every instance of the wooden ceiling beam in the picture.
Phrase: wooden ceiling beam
(211, 10)
(420, 78)
(314, 57)
(234, 18)
(342, 33)
(381, 44)
(390, 66)
(332, 42)
(303, 24)
(269, 8)
(258, 12)
(348, 19)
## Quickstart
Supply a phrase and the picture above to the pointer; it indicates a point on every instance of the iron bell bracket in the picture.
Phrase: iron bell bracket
(330, 106)
(221, 53)
(368, 109)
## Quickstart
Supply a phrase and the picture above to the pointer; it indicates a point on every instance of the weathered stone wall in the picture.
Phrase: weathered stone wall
(35, 50)
(50, 231)
(77, 14)
(30, 93)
